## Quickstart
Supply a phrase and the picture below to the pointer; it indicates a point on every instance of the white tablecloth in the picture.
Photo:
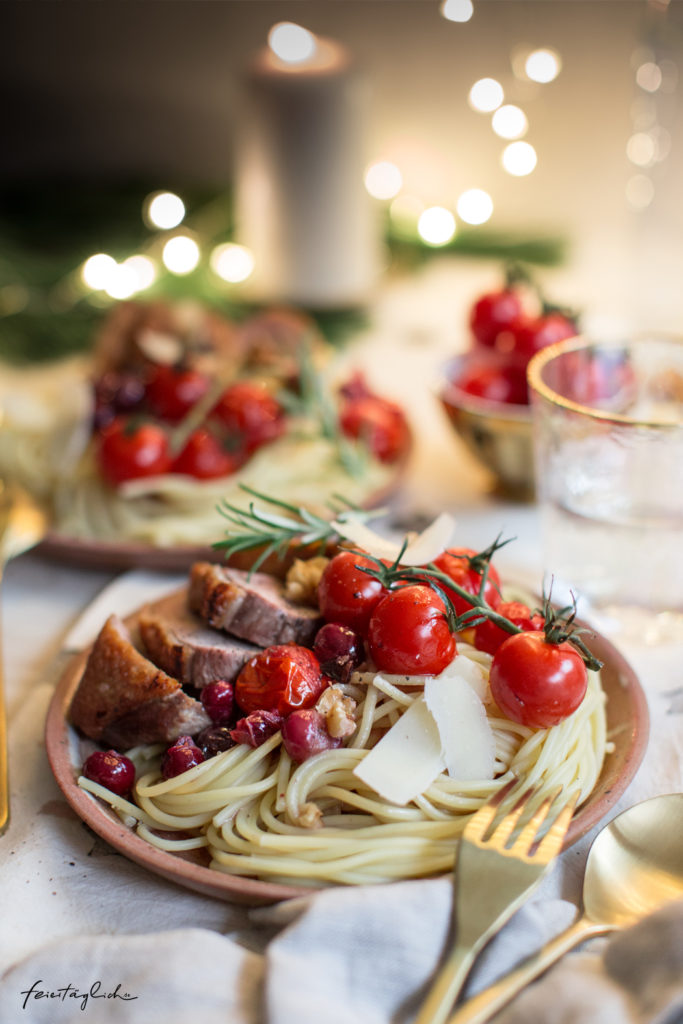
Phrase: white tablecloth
(73, 912)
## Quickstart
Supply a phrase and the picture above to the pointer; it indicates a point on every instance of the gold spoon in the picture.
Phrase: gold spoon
(635, 866)
(22, 524)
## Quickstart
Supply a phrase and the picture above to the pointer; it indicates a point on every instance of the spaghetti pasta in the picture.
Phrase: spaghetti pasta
(317, 823)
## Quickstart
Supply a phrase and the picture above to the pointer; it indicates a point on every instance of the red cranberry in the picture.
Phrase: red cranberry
(111, 770)
(183, 755)
(257, 727)
(304, 733)
(214, 740)
(339, 650)
(218, 699)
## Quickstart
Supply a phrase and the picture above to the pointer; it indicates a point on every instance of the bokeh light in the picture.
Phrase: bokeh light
(164, 210)
(486, 95)
(181, 254)
(641, 149)
(292, 43)
(457, 10)
(144, 270)
(98, 270)
(543, 66)
(649, 76)
(436, 225)
(123, 282)
(233, 263)
(383, 180)
(474, 206)
(509, 122)
(519, 158)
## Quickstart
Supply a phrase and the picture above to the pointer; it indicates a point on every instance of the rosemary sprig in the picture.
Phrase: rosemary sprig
(313, 401)
(559, 623)
(258, 526)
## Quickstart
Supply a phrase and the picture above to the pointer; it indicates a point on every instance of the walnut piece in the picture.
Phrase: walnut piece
(339, 712)
(309, 816)
(301, 582)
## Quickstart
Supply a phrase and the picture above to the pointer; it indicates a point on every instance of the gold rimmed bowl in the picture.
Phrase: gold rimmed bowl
(498, 434)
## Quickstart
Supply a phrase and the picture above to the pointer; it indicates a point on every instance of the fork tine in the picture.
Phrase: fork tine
(551, 844)
(529, 832)
(479, 823)
(504, 830)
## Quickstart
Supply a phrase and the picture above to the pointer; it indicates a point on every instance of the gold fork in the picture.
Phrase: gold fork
(492, 880)
(22, 524)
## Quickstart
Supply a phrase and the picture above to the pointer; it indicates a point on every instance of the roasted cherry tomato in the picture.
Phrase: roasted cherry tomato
(348, 595)
(379, 423)
(496, 381)
(460, 565)
(130, 448)
(172, 392)
(529, 335)
(280, 678)
(409, 634)
(494, 312)
(205, 458)
(488, 636)
(537, 683)
(250, 412)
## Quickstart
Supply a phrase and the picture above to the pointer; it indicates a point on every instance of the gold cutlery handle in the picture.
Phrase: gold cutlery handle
(448, 984)
(482, 1007)
(4, 757)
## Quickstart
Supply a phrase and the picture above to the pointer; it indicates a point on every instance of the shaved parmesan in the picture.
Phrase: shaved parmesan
(424, 548)
(472, 672)
(466, 739)
(407, 759)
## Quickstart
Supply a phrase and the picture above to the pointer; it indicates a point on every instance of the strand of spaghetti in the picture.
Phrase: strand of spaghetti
(367, 714)
(172, 845)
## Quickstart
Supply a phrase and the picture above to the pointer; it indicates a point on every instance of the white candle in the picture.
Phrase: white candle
(301, 205)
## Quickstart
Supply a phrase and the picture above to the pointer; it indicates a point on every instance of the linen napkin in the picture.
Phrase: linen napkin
(348, 957)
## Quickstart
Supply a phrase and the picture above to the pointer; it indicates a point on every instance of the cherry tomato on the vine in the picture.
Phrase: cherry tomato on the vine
(205, 458)
(130, 448)
(171, 392)
(457, 563)
(346, 594)
(249, 411)
(281, 678)
(379, 423)
(494, 380)
(529, 335)
(494, 312)
(409, 633)
(488, 636)
(535, 682)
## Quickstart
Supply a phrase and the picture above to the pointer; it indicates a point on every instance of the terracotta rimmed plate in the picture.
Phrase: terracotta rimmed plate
(122, 555)
(628, 727)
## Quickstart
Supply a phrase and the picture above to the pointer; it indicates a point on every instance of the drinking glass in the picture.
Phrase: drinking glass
(608, 455)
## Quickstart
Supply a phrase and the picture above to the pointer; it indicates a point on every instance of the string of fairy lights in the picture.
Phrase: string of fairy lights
(174, 248)
(179, 250)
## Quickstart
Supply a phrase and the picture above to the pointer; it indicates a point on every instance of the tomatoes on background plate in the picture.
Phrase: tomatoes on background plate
(130, 448)
(249, 410)
(205, 457)
(527, 336)
(536, 682)
(493, 379)
(172, 391)
(379, 423)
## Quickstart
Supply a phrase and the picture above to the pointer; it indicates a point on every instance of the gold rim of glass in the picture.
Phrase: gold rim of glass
(542, 358)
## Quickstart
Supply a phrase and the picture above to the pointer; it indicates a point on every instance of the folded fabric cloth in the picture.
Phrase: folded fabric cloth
(361, 956)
